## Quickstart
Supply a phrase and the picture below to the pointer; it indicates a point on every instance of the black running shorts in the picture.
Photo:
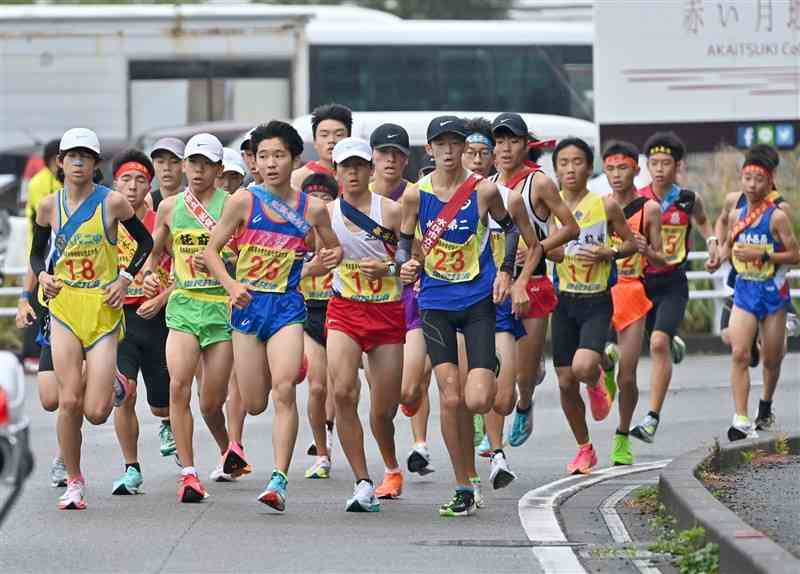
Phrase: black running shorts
(669, 293)
(579, 322)
(314, 325)
(476, 323)
(144, 348)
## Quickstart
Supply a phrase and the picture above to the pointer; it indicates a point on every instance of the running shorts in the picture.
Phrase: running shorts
(268, 313)
(506, 322)
(205, 319)
(542, 295)
(314, 325)
(144, 349)
(759, 298)
(580, 322)
(476, 322)
(370, 325)
(630, 303)
(411, 307)
(46, 359)
(86, 314)
(669, 293)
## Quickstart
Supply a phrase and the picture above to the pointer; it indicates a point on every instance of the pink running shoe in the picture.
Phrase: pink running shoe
(599, 401)
(122, 388)
(235, 461)
(73, 498)
(584, 461)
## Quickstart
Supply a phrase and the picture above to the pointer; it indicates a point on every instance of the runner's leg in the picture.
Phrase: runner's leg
(629, 343)
(741, 331)
(285, 356)
(317, 393)
(773, 340)
(183, 356)
(217, 361)
(386, 364)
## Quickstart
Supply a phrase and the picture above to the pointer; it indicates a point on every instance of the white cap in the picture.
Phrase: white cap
(206, 145)
(232, 161)
(79, 137)
(351, 147)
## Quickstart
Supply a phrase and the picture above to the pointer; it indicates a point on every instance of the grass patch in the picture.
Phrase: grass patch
(688, 549)
(645, 500)
(782, 444)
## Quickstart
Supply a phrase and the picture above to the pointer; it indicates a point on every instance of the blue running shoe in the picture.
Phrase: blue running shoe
(521, 426)
(485, 448)
(129, 483)
(274, 494)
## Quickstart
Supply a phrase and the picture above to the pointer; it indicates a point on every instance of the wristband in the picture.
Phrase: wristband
(616, 254)
(712, 238)
(26, 295)
(126, 275)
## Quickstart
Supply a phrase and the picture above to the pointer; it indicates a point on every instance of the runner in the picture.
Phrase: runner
(366, 315)
(329, 124)
(271, 226)
(317, 291)
(515, 148)
(479, 157)
(631, 305)
(167, 156)
(585, 271)
(143, 348)
(233, 171)
(250, 161)
(390, 151)
(764, 245)
(459, 288)
(197, 310)
(667, 286)
(85, 293)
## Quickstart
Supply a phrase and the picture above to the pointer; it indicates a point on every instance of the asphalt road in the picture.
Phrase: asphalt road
(230, 531)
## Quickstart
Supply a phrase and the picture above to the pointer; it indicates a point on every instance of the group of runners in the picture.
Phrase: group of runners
(315, 272)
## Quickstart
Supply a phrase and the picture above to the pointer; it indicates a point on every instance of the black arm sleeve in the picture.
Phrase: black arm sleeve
(38, 255)
(144, 244)
(510, 256)
(403, 253)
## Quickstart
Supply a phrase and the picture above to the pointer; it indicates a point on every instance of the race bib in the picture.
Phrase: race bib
(581, 276)
(755, 270)
(674, 239)
(453, 262)
(264, 268)
(317, 288)
(77, 267)
(631, 266)
(188, 246)
(498, 248)
(357, 287)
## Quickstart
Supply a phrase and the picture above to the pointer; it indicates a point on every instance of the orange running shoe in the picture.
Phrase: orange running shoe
(599, 400)
(584, 461)
(190, 489)
(391, 487)
(234, 462)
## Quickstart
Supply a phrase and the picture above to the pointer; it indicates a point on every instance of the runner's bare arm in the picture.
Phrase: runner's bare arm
(392, 216)
(721, 225)
(410, 209)
(781, 227)
(704, 227)
(490, 201)
(547, 191)
(234, 215)
(161, 237)
(298, 177)
(409, 267)
(556, 254)
(533, 253)
(653, 250)
(330, 253)
(619, 225)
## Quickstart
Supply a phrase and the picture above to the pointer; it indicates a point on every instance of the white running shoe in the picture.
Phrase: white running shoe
(219, 475)
(58, 473)
(364, 499)
(419, 460)
(501, 476)
(74, 498)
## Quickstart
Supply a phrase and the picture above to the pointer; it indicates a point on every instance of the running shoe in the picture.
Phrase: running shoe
(74, 498)
(792, 325)
(484, 449)
(190, 489)
(479, 430)
(122, 388)
(475, 481)
(219, 475)
(766, 417)
(521, 426)
(462, 504)
(599, 401)
(234, 462)
(741, 428)
(500, 475)
(363, 499)
(646, 430)
(320, 469)
(621, 454)
(129, 483)
(584, 461)
(312, 449)
(609, 375)
(678, 349)
(391, 487)
(274, 494)
(419, 460)
(58, 473)
(168, 447)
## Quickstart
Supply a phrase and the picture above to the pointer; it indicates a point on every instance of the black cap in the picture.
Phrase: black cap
(390, 135)
(512, 122)
(446, 125)
(427, 165)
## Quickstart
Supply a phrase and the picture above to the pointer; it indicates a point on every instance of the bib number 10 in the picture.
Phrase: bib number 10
(375, 285)
(83, 269)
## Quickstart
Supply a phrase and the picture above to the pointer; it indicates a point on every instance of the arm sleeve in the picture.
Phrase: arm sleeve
(144, 244)
(403, 253)
(510, 256)
(38, 255)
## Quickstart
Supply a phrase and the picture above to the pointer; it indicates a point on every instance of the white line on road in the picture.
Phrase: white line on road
(537, 513)
(617, 528)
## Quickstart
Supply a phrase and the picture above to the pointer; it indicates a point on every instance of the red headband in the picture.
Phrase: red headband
(757, 169)
(620, 158)
(542, 144)
(133, 166)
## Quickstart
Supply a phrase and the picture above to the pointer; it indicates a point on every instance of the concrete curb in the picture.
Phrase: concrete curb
(742, 548)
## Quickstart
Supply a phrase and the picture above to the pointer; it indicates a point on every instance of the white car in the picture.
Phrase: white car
(16, 458)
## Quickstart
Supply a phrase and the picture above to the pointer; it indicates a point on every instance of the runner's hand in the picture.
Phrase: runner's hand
(520, 302)
(25, 314)
(50, 284)
(115, 292)
(199, 262)
(641, 243)
(746, 253)
(594, 253)
(522, 253)
(152, 285)
(240, 296)
(409, 271)
(150, 308)
(373, 268)
(502, 287)
(329, 258)
(713, 262)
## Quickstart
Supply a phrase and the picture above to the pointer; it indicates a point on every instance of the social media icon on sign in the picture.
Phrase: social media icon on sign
(784, 135)
(765, 135)
(745, 135)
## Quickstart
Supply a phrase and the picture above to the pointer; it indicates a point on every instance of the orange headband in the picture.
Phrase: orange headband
(620, 158)
(133, 166)
(757, 170)
(542, 144)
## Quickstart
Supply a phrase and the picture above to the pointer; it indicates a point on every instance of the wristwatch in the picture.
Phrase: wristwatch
(126, 275)
(615, 252)
(392, 268)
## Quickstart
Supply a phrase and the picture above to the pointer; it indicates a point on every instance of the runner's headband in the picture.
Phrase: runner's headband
(620, 158)
(756, 169)
(133, 166)
(479, 138)
(319, 188)
(542, 144)
(662, 149)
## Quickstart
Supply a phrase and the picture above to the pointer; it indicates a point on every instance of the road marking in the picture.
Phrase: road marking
(537, 513)
(617, 527)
